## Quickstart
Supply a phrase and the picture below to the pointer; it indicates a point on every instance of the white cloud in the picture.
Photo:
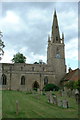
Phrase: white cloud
(71, 49)
(35, 58)
(12, 22)
(11, 18)
(8, 55)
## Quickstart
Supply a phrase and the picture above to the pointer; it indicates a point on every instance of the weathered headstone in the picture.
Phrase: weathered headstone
(17, 107)
(76, 95)
(69, 92)
(51, 98)
(55, 99)
(62, 93)
(59, 103)
(65, 104)
(48, 96)
(73, 92)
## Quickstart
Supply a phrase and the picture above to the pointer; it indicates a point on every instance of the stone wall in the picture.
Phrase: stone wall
(14, 72)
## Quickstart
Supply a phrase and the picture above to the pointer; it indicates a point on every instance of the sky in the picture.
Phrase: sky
(26, 26)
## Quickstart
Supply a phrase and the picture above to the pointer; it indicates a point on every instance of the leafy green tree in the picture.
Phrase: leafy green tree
(19, 58)
(77, 85)
(40, 62)
(1, 46)
(36, 63)
(70, 85)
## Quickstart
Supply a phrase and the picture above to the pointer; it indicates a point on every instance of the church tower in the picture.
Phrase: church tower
(55, 51)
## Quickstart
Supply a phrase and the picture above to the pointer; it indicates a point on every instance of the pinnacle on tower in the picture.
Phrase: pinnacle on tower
(55, 29)
(48, 38)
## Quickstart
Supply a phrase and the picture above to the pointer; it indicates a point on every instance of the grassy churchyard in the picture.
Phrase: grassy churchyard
(35, 106)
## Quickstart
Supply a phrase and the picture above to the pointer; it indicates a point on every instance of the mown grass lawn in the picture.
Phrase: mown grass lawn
(32, 107)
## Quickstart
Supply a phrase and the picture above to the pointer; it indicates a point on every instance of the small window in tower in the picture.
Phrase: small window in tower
(56, 26)
(56, 38)
(58, 55)
(55, 15)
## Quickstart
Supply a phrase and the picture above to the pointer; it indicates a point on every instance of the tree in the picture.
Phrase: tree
(77, 85)
(40, 62)
(36, 63)
(19, 58)
(1, 46)
(70, 85)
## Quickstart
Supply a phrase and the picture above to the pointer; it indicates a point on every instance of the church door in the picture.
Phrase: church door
(35, 85)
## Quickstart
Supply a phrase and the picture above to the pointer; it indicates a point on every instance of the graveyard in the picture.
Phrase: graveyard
(17, 104)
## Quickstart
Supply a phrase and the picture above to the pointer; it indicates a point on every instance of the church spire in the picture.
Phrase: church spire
(55, 29)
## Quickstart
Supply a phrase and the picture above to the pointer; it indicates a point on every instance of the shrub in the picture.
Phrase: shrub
(77, 85)
(73, 85)
(51, 87)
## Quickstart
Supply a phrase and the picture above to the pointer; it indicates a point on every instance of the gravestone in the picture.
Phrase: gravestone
(17, 107)
(38, 91)
(65, 104)
(62, 93)
(76, 95)
(69, 92)
(59, 103)
(49, 97)
(55, 99)
(73, 92)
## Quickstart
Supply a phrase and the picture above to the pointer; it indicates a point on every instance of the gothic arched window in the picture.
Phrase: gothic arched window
(4, 79)
(46, 80)
(23, 80)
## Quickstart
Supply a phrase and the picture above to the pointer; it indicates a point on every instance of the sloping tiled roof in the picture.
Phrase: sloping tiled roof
(73, 75)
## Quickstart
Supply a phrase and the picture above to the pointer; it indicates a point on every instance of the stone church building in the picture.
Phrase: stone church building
(22, 76)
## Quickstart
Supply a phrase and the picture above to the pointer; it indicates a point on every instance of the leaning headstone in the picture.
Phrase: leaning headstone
(17, 107)
(73, 92)
(69, 92)
(55, 99)
(65, 104)
(48, 96)
(59, 103)
(51, 98)
(76, 95)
